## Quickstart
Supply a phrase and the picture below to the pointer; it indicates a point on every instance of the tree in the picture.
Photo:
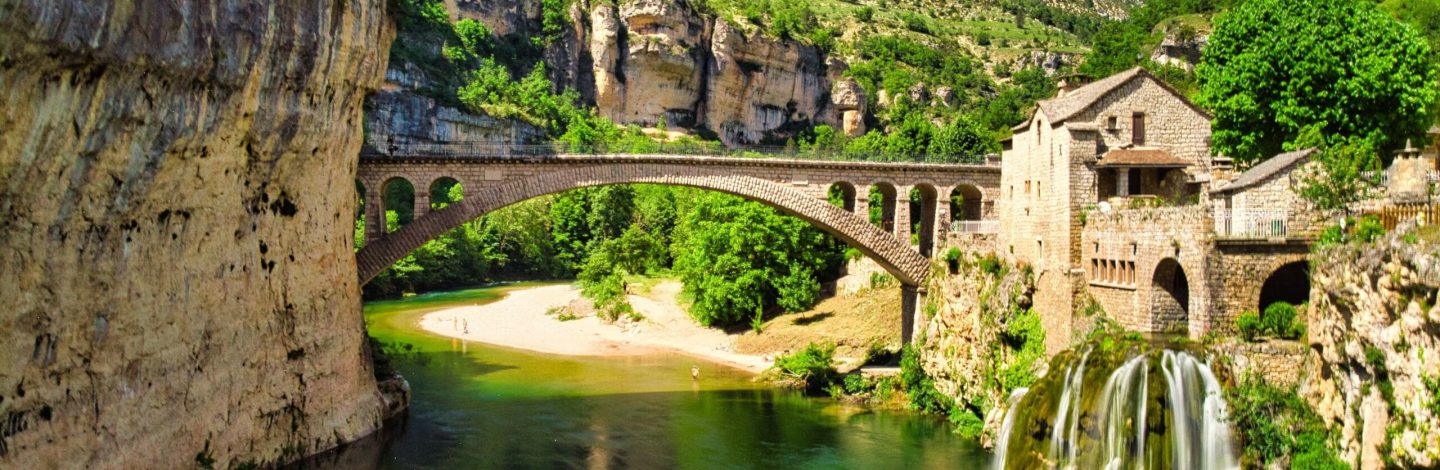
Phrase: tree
(1347, 170)
(1274, 67)
(961, 141)
(735, 257)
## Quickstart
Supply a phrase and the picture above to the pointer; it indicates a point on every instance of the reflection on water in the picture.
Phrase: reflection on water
(480, 406)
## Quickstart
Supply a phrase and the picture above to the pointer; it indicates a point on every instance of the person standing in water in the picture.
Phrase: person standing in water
(694, 372)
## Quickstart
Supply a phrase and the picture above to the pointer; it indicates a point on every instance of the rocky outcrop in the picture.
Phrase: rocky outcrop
(399, 117)
(959, 337)
(1180, 49)
(178, 273)
(641, 61)
(1374, 333)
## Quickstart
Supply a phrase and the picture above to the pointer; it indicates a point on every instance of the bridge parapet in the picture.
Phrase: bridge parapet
(689, 149)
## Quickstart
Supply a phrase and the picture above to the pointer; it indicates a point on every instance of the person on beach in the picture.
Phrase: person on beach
(694, 372)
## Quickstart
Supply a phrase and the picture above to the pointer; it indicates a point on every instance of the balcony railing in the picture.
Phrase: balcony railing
(1252, 223)
(975, 226)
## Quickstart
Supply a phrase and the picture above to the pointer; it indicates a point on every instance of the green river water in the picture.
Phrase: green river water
(480, 406)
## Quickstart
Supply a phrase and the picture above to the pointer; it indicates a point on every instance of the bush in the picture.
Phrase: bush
(1249, 324)
(918, 385)
(1277, 318)
(1274, 423)
(952, 259)
(1368, 229)
(815, 365)
(966, 422)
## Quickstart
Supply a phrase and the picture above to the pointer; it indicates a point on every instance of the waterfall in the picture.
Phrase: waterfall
(1125, 408)
(1200, 435)
(1002, 442)
(1123, 424)
(1067, 417)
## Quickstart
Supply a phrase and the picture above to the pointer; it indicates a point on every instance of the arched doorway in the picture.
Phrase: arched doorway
(398, 205)
(882, 206)
(445, 191)
(1169, 297)
(842, 195)
(966, 203)
(922, 217)
(1289, 283)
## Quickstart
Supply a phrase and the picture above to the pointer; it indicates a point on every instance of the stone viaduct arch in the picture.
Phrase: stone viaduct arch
(798, 188)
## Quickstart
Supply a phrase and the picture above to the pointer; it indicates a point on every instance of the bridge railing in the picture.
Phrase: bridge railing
(975, 226)
(715, 149)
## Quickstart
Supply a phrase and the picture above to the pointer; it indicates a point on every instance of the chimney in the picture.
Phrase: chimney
(1071, 82)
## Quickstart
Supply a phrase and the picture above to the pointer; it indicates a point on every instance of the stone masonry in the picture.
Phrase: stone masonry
(796, 187)
(1107, 192)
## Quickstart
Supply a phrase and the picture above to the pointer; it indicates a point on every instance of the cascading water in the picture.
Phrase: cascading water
(1150, 409)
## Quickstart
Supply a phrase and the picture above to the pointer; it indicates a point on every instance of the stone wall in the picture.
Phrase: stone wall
(178, 270)
(1237, 272)
(1374, 334)
(1124, 250)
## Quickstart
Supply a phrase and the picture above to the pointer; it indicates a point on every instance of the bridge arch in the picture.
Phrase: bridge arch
(439, 190)
(397, 187)
(906, 264)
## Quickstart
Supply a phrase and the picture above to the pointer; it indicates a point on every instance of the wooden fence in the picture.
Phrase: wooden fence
(1393, 215)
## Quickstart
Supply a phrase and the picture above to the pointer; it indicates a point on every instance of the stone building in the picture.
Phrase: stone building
(1111, 194)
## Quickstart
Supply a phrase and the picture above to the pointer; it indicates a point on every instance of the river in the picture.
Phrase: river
(481, 406)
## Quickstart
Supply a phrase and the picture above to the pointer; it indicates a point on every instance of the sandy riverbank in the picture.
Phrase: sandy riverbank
(519, 321)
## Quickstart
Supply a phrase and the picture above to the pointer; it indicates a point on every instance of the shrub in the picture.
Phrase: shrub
(991, 265)
(1275, 423)
(966, 423)
(1249, 324)
(918, 385)
(814, 365)
(1277, 318)
(952, 259)
(1368, 229)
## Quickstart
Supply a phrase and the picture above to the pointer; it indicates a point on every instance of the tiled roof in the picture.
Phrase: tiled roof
(1265, 169)
(1064, 107)
(1061, 108)
(1155, 158)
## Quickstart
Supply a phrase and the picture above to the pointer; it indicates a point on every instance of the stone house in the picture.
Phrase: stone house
(1110, 192)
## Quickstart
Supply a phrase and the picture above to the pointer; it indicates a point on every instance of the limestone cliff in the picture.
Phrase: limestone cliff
(641, 61)
(176, 201)
(965, 339)
(1374, 334)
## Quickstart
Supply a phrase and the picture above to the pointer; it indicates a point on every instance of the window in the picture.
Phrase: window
(1133, 185)
(1137, 129)
(1027, 186)
(1112, 123)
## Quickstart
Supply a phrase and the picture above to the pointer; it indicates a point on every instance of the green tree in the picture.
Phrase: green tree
(1347, 170)
(735, 257)
(961, 141)
(1274, 67)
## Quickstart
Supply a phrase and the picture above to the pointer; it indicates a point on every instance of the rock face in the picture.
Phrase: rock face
(641, 61)
(960, 344)
(176, 184)
(399, 117)
(1374, 329)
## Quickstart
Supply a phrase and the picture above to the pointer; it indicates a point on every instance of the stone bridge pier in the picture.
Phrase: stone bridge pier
(869, 205)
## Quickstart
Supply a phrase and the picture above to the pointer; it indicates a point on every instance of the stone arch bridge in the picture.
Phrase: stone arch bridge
(796, 187)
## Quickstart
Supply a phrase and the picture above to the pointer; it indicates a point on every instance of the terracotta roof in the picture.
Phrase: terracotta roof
(1154, 158)
(1061, 108)
(1265, 169)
